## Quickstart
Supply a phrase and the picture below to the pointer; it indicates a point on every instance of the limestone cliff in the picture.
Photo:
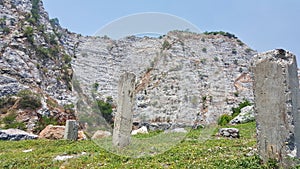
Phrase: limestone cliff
(183, 77)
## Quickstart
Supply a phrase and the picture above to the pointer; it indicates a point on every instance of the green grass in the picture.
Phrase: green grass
(198, 149)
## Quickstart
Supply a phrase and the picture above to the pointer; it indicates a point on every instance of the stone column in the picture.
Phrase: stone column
(71, 130)
(123, 118)
(276, 93)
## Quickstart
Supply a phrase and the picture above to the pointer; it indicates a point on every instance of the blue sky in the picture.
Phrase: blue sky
(262, 24)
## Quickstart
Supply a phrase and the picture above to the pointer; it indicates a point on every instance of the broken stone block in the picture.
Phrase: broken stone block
(71, 130)
(276, 92)
(123, 118)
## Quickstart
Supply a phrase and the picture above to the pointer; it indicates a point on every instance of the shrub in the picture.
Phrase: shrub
(105, 110)
(6, 30)
(6, 103)
(166, 45)
(29, 100)
(204, 50)
(10, 122)
(234, 51)
(224, 119)
(248, 50)
(237, 110)
(44, 122)
(35, 10)
(28, 32)
(95, 86)
(227, 34)
(216, 59)
(67, 59)
(54, 22)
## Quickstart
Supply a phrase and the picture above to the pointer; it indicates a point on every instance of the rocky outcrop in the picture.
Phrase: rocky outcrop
(183, 77)
(34, 56)
(247, 114)
(16, 135)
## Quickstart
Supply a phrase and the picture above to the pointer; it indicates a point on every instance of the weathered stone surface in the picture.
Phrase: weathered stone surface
(123, 118)
(276, 91)
(172, 83)
(101, 134)
(16, 135)
(247, 114)
(71, 130)
(142, 130)
(229, 132)
(52, 132)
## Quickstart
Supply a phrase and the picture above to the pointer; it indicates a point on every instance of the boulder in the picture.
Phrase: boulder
(142, 130)
(247, 114)
(16, 135)
(229, 132)
(101, 134)
(53, 132)
(57, 132)
(81, 136)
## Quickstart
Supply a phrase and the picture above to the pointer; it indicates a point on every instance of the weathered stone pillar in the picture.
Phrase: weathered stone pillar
(123, 118)
(71, 130)
(276, 92)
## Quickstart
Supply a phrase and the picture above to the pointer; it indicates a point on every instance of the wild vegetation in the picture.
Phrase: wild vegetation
(225, 118)
(194, 151)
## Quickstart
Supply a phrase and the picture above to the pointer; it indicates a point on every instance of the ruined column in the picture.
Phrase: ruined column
(276, 93)
(123, 118)
(71, 130)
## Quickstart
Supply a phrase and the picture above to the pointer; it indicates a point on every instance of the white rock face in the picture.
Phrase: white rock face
(247, 114)
(194, 80)
(142, 130)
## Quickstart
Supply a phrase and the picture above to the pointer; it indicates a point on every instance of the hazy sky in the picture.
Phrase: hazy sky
(262, 24)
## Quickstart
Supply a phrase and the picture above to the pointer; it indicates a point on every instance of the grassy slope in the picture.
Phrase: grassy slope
(193, 152)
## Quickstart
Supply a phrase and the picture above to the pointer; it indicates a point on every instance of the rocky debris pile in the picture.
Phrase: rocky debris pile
(229, 132)
(16, 135)
(247, 114)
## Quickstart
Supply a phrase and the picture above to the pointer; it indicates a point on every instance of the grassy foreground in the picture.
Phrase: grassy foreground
(192, 152)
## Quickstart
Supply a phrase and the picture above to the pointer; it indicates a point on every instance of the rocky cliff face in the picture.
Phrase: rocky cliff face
(183, 77)
(33, 57)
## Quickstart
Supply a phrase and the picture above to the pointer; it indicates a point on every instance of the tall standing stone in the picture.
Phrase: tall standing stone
(276, 92)
(123, 118)
(71, 130)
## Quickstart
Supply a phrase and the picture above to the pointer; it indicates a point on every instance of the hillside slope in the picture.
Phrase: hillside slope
(183, 77)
